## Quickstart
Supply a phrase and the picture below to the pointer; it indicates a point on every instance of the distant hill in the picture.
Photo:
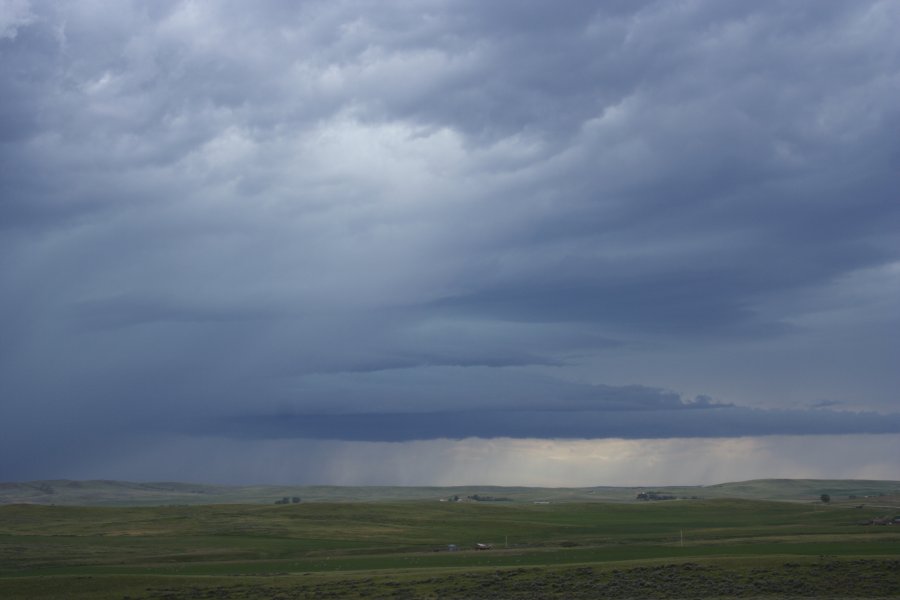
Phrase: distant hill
(124, 493)
(805, 489)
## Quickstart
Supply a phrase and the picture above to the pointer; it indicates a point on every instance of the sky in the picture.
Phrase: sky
(449, 242)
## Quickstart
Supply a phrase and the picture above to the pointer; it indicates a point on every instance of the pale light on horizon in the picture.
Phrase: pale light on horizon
(508, 462)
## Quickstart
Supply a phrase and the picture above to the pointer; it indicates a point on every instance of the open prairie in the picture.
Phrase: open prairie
(394, 549)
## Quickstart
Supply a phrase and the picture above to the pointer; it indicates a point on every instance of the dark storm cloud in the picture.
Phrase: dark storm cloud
(344, 209)
(666, 423)
(518, 406)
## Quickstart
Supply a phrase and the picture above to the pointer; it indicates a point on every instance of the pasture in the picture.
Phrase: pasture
(683, 548)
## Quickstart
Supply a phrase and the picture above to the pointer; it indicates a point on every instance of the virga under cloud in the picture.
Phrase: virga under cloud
(390, 222)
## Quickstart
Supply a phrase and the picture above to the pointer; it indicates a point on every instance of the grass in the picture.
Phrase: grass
(399, 549)
(721, 578)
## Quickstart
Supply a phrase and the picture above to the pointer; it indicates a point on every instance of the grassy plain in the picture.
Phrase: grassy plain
(679, 549)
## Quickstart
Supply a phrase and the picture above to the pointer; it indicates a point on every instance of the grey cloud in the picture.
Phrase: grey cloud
(16, 14)
(341, 209)
(124, 311)
(469, 389)
(825, 403)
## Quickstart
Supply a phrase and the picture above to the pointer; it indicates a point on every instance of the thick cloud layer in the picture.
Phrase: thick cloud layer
(390, 221)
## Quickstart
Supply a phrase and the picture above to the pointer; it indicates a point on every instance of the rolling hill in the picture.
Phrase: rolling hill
(124, 493)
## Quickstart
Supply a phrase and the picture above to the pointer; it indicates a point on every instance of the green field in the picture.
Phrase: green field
(676, 548)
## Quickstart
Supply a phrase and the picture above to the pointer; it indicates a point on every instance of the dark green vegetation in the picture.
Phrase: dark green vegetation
(123, 493)
(730, 548)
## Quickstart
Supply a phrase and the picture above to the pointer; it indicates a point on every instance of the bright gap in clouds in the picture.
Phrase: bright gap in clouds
(504, 461)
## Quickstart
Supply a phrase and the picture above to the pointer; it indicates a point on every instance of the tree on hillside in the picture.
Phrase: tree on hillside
(825, 498)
